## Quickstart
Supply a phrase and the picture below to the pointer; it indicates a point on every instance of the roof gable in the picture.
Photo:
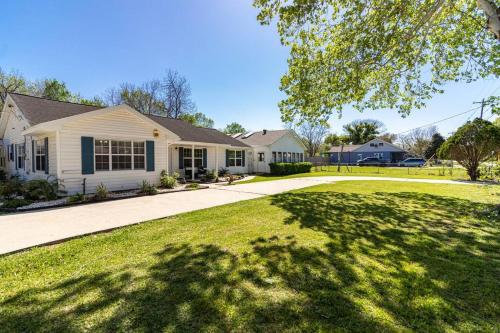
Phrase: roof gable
(264, 137)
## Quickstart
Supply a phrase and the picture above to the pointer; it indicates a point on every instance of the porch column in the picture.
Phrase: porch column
(192, 162)
(216, 160)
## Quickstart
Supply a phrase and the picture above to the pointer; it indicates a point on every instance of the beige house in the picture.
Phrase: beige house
(83, 146)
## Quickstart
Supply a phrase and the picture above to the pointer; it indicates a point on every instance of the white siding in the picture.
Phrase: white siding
(288, 143)
(119, 125)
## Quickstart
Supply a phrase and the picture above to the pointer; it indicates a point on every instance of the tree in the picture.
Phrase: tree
(417, 140)
(472, 144)
(312, 134)
(10, 82)
(362, 131)
(379, 54)
(436, 141)
(334, 139)
(198, 119)
(145, 98)
(234, 128)
(177, 95)
(388, 137)
(96, 101)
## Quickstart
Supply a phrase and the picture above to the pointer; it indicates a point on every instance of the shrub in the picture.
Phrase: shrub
(211, 175)
(11, 188)
(15, 203)
(490, 172)
(168, 181)
(193, 186)
(78, 197)
(41, 189)
(101, 192)
(223, 172)
(280, 169)
(148, 188)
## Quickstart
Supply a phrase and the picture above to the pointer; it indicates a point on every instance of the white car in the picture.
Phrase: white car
(412, 162)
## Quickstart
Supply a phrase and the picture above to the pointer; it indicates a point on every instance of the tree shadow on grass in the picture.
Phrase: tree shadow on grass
(393, 262)
(431, 262)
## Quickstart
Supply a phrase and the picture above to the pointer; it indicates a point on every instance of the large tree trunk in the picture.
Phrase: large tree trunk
(473, 172)
(492, 13)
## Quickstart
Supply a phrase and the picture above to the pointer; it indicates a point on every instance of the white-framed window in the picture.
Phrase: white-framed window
(198, 157)
(280, 157)
(379, 155)
(274, 157)
(261, 156)
(119, 155)
(40, 155)
(20, 151)
(235, 157)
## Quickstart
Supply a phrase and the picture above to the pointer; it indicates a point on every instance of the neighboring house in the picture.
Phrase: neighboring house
(83, 146)
(270, 146)
(385, 151)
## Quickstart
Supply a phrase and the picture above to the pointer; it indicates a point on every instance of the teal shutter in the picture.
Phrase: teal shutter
(46, 143)
(227, 158)
(243, 158)
(87, 155)
(204, 157)
(150, 155)
(181, 158)
(33, 162)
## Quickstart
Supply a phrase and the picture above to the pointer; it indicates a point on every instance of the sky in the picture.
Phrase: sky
(233, 64)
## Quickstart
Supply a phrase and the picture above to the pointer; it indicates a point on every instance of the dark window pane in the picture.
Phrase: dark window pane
(139, 162)
(102, 162)
(198, 162)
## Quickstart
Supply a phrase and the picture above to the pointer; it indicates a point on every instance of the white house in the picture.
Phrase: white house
(273, 146)
(83, 146)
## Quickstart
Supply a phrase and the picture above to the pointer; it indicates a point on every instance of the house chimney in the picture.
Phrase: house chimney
(264, 132)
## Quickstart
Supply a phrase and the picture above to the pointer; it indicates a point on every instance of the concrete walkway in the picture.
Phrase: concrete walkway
(25, 230)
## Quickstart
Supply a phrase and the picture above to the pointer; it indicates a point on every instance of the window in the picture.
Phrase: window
(40, 155)
(20, 150)
(119, 155)
(261, 157)
(274, 157)
(302, 157)
(289, 157)
(198, 157)
(380, 144)
(294, 158)
(235, 157)
(280, 157)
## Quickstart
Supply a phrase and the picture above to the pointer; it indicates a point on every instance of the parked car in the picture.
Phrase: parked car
(412, 162)
(370, 161)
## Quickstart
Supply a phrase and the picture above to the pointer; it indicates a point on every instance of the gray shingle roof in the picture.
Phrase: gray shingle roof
(347, 148)
(188, 132)
(261, 139)
(40, 110)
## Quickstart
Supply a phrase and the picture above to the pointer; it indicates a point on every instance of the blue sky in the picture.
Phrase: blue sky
(233, 64)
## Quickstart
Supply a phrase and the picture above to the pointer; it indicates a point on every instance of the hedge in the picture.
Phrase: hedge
(280, 169)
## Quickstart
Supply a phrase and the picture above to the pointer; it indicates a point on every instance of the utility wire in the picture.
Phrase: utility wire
(439, 121)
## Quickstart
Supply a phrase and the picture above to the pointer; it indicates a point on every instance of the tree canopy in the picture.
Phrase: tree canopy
(234, 128)
(436, 141)
(362, 131)
(374, 54)
(198, 119)
(471, 144)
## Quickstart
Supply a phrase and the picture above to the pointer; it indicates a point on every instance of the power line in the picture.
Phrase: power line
(439, 121)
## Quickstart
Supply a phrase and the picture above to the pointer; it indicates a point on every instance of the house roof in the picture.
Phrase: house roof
(188, 132)
(346, 149)
(40, 110)
(260, 139)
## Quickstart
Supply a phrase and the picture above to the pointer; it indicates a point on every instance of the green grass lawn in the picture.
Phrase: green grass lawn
(456, 173)
(351, 256)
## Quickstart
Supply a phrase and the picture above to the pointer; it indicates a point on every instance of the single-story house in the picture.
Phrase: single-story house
(270, 146)
(83, 146)
(350, 154)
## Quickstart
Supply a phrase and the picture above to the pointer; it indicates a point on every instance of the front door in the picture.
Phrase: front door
(261, 162)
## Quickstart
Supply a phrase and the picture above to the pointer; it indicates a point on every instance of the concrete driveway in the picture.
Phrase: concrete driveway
(25, 230)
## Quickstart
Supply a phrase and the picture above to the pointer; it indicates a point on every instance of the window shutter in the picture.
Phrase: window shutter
(25, 155)
(181, 158)
(204, 157)
(46, 143)
(15, 156)
(243, 158)
(11, 155)
(33, 156)
(87, 155)
(227, 158)
(150, 152)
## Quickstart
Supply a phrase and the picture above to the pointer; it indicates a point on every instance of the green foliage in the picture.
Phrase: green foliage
(223, 172)
(211, 175)
(147, 188)
(168, 181)
(377, 54)
(95, 101)
(11, 188)
(436, 141)
(56, 90)
(471, 144)
(15, 203)
(362, 131)
(78, 197)
(234, 128)
(41, 189)
(279, 169)
(334, 139)
(193, 186)
(101, 192)
(198, 119)
(490, 172)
